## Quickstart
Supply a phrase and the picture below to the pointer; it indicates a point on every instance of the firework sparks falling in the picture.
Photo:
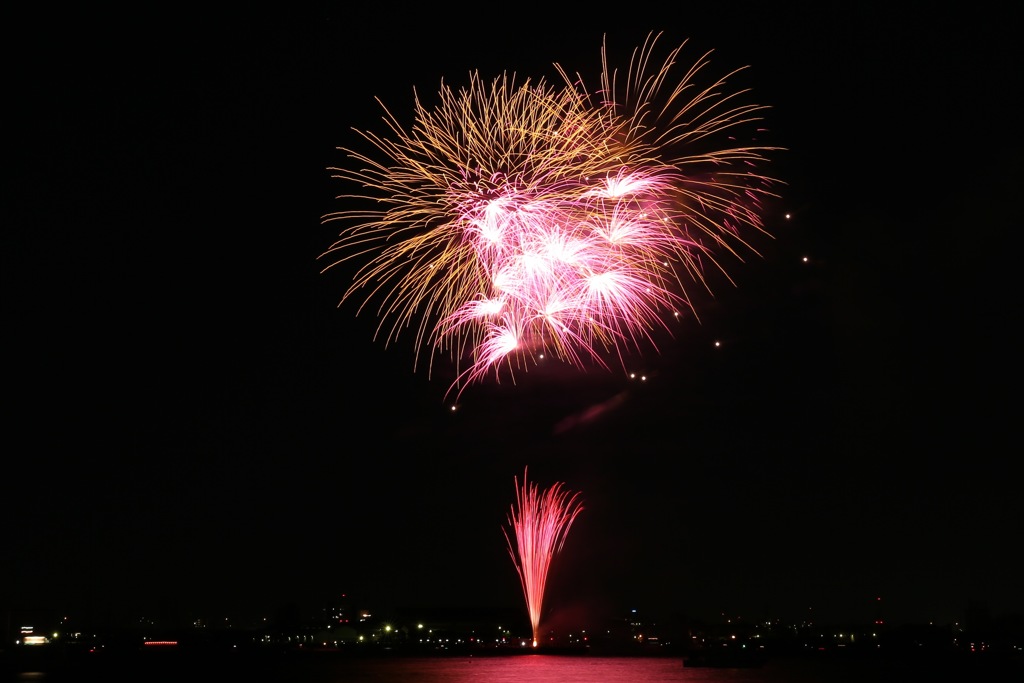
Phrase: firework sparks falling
(516, 220)
(540, 521)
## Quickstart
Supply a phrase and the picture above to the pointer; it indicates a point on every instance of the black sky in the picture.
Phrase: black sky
(193, 426)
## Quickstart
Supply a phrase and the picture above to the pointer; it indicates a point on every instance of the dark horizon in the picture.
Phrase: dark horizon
(559, 623)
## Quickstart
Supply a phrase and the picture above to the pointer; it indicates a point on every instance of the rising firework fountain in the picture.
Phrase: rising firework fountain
(540, 521)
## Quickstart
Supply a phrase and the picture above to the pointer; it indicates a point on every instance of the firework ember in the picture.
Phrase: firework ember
(515, 220)
(540, 521)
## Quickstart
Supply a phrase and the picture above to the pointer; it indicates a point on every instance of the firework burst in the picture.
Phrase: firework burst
(515, 219)
(540, 521)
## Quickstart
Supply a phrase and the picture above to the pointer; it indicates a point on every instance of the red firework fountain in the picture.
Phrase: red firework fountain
(541, 520)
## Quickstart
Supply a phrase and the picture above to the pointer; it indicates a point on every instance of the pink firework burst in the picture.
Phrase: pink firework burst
(519, 219)
(540, 521)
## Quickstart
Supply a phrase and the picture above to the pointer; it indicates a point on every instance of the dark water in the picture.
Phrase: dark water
(518, 669)
(548, 669)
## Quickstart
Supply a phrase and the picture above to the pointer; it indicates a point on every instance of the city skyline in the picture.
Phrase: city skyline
(347, 620)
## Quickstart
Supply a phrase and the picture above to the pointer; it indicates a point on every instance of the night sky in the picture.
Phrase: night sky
(194, 427)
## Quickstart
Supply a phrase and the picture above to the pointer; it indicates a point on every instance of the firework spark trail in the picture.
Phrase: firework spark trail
(540, 520)
(518, 219)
